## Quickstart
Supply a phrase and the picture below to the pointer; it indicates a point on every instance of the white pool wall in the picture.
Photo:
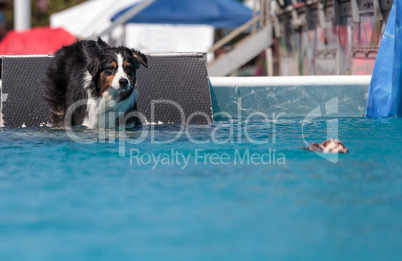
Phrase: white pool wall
(294, 96)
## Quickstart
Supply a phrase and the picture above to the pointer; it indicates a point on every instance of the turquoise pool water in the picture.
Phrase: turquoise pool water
(112, 200)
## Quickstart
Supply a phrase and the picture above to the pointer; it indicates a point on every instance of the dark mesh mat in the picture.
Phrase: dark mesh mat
(22, 91)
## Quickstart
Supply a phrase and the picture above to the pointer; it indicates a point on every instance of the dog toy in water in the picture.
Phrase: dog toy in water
(328, 146)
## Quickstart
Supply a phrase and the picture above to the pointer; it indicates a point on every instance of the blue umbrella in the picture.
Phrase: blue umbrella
(218, 13)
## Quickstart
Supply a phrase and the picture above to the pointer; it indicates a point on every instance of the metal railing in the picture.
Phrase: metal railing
(133, 11)
(258, 21)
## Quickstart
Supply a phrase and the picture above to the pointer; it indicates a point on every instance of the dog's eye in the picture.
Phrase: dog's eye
(129, 67)
(110, 68)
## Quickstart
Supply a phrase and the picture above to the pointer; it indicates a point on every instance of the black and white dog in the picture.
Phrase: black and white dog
(93, 84)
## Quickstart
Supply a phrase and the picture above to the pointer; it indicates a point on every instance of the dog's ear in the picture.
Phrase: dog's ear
(101, 43)
(140, 57)
(94, 68)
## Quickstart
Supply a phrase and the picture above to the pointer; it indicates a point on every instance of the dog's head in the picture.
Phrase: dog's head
(114, 70)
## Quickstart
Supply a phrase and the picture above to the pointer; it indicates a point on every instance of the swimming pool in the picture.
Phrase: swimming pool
(246, 192)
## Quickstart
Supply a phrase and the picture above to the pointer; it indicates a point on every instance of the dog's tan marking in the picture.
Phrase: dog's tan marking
(129, 76)
(125, 94)
(106, 82)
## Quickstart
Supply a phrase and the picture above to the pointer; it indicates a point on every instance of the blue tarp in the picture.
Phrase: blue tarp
(218, 13)
(384, 96)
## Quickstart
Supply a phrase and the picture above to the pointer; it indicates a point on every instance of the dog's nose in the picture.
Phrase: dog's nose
(123, 82)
